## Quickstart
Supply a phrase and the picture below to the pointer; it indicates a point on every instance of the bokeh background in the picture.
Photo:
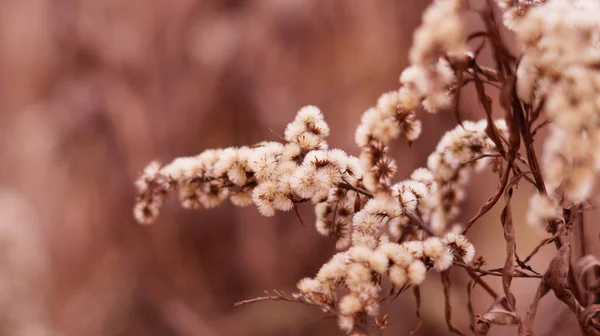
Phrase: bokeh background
(91, 91)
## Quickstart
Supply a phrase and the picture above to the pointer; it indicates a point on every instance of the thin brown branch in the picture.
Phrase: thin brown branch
(479, 157)
(418, 222)
(492, 132)
(477, 35)
(280, 296)
(484, 81)
(413, 217)
(296, 298)
(500, 53)
(477, 280)
(542, 244)
(349, 186)
(298, 214)
(495, 273)
(487, 206)
(540, 126)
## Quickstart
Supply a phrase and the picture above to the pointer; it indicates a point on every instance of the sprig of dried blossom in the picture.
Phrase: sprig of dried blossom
(395, 232)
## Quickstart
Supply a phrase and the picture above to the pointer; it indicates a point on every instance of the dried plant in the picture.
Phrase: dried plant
(398, 232)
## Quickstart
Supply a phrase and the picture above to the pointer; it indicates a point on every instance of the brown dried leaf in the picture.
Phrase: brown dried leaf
(584, 266)
(491, 130)
(470, 306)
(526, 326)
(556, 278)
(357, 204)
(489, 204)
(497, 315)
(511, 244)
(448, 306)
(508, 103)
(460, 81)
(417, 294)
(590, 319)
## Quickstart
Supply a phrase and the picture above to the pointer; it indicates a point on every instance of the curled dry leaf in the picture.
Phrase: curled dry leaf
(590, 319)
(491, 130)
(417, 294)
(556, 278)
(470, 309)
(448, 306)
(496, 314)
(585, 266)
(509, 236)
(526, 325)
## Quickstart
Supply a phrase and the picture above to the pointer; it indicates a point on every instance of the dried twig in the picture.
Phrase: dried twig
(496, 273)
(542, 244)
(282, 296)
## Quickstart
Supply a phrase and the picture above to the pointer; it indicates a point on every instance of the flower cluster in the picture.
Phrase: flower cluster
(396, 232)
(360, 270)
(152, 189)
(434, 193)
(393, 117)
(441, 32)
(559, 69)
(274, 176)
(271, 175)
(516, 10)
(427, 84)
(334, 215)
(464, 147)
(356, 202)
(438, 38)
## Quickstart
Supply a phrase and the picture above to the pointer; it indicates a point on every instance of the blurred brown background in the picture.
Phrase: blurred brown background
(92, 90)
